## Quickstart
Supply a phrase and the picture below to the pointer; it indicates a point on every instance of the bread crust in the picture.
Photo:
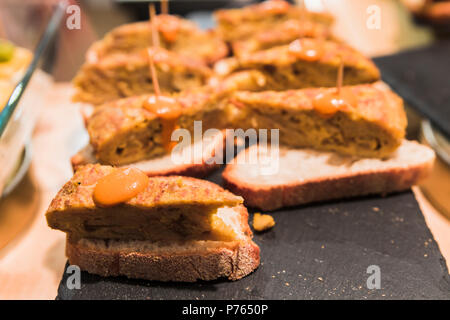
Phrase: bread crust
(187, 36)
(234, 24)
(232, 260)
(282, 56)
(125, 131)
(373, 126)
(382, 181)
(281, 34)
(121, 75)
(77, 193)
(233, 263)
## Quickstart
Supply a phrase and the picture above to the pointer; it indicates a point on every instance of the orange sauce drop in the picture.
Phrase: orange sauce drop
(169, 29)
(327, 104)
(274, 6)
(308, 51)
(119, 186)
(168, 111)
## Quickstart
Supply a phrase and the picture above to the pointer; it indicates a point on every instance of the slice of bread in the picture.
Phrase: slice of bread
(121, 75)
(282, 34)
(183, 262)
(242, 23)
(124, 131)
(192, 164)
(304, 175)
(167, 209)
(176, 229)
(372, 126)
(284, 69)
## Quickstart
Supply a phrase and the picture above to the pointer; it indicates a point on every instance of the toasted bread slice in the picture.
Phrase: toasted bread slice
(123, 131)
(236, 24)
(122, 75)
(283, 69)
(192, 164)
(304, 175)
(171, 208)
(282, 34)
(184, 262)
(176, 34)
(176, 229)
(373, 126)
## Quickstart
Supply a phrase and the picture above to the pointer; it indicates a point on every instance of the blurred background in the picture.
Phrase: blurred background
(406, 24)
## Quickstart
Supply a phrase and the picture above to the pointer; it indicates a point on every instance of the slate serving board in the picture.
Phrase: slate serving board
(319, 251)
(422, 78)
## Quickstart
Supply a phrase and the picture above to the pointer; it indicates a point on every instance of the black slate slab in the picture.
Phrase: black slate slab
(422, 78)
(319, 251)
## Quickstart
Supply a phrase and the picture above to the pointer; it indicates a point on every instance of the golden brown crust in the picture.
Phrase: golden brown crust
(123, 131)
(291, 71)
(116, 119)
(233, 261)
(122, 75)
(161, 191)
(373, 127)
(175, 34)
(375, 103)
(282, 34)
(234, 24)
(374, 181)
(332, 54)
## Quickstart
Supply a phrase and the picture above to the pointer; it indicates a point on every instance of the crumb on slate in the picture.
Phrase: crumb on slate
(262, 222)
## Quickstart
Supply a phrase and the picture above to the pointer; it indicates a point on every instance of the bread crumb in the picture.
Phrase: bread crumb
(262, 222)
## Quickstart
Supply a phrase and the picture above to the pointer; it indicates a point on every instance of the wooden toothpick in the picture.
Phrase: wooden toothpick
(340, 76)
(301, 4)
(153, 73)
(152, 15)
(155, 43)
(165, 6)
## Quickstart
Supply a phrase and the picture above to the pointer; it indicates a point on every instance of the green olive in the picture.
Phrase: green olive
(6, 50)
